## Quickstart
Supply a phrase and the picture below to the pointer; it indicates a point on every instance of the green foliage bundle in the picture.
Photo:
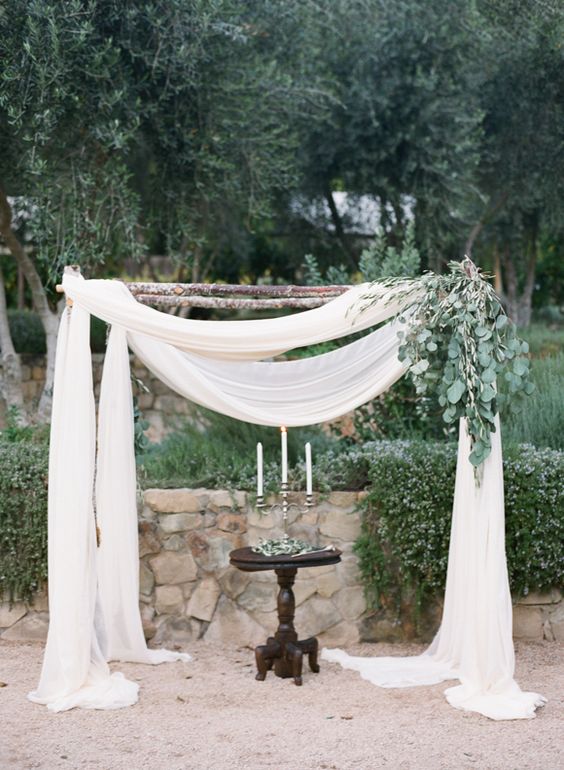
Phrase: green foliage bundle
(403, 548)
(457, 343)
(24, 461)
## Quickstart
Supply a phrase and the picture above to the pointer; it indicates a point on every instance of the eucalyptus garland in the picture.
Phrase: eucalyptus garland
(285, 546)
(458, 343)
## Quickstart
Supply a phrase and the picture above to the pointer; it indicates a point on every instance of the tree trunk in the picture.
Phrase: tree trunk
(519, 305)
(498, 278)
(511, 296)
(11, 388)
(51, 326)
(48, 317)
(21, 289)
(490, 211)
(339, 230)
(526, 299)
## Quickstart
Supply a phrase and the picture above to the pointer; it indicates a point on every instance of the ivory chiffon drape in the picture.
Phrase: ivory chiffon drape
(93, 592)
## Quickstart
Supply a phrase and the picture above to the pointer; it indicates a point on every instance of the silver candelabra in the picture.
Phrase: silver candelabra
(284, 506)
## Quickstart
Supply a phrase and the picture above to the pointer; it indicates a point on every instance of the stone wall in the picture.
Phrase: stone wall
(162, 407)
(188, 590)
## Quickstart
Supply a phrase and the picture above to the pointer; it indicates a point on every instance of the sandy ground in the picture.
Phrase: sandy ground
(212, 715)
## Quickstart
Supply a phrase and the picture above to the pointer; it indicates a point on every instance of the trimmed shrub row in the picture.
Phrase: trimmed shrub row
(23, 518)
(28, 334)
(403, 548)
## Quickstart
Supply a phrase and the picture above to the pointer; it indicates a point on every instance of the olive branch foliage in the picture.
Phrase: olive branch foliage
(458, 343)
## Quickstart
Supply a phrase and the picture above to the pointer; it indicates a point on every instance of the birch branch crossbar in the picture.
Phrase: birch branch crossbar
(225, 296)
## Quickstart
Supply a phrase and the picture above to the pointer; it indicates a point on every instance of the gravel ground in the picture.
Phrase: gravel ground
(211, 715)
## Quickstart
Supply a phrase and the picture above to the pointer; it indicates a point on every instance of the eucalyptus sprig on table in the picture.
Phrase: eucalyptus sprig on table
(458, 341)
(286, 546)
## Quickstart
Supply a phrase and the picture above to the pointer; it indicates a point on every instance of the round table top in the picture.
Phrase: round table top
(245, 559)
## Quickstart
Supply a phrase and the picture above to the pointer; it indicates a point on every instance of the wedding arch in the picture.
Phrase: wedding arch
(93, 591)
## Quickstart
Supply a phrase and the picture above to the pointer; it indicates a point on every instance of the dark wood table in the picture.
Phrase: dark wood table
(284, 651)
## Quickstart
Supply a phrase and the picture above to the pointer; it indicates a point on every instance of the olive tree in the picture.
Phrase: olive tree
(127, 124)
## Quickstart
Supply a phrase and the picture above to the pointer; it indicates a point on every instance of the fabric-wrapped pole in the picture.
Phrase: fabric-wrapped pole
(116, 505)
(75, 672)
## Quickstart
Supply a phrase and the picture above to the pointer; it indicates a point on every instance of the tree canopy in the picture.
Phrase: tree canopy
(215, 131)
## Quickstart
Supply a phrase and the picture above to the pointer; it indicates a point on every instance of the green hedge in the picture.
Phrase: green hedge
(403, 548)
(23, 518)
(28, 334)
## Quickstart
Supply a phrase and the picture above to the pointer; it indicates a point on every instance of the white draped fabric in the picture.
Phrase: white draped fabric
(217, 364)
(474, 641)
(93, 600)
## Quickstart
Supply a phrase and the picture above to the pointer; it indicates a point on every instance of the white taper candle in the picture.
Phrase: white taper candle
(284, 455)
(260, 489)
(309, 480)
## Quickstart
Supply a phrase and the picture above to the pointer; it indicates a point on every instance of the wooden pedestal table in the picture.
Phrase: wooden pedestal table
(284, 651)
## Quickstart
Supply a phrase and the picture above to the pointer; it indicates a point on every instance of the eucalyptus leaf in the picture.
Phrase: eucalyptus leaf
(456, 391)
(477, 458)
(420, 367)
(487, 393)
(484, 359)
(448, 417)
(489, 375)
(486, 412)
(520, 366)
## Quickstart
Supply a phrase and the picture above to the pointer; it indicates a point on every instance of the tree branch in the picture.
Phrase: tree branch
(339, 230)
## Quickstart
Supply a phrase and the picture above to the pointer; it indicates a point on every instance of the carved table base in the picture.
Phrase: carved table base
(283, 651)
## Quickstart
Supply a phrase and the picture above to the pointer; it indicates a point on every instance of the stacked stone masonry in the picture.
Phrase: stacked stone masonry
(189, 591)
(161, 406)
